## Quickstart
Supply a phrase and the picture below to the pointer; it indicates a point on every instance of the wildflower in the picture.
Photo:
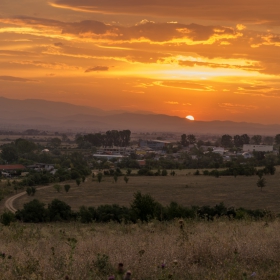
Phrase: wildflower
(112, 277)
(253, 274)
(163, 265)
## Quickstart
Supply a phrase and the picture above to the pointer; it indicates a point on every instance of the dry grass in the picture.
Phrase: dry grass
(215, 250)
(185, 189)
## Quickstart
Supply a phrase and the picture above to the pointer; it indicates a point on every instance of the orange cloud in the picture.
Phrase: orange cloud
(97, 69)
(15, 79)
(239, 10)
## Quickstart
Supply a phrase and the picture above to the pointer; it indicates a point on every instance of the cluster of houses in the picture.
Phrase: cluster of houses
(145, 147)
(142, 151)
(12, 170)
(157, 148)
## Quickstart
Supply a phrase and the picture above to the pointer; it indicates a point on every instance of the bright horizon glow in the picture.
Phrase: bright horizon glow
(189, 117)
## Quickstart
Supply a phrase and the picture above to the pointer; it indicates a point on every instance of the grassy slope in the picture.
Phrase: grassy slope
(215, 250)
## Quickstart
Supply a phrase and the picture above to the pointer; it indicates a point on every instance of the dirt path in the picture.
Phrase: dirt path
(10, 201)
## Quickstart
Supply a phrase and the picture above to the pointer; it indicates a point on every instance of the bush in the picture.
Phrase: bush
(126, 179)
(67, 188)
(206, 172)
(33, 212)
(99, 177)
(59, 211)
(116, 213)
(196, 173)
(174, 210)
(143, 206)
(75, 174)
(142, 171)
(87, 215)
(7, 218)
(30, 191)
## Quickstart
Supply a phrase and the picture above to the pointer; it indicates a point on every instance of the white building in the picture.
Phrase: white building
(257, 148)
(247, 155)
(219, 150)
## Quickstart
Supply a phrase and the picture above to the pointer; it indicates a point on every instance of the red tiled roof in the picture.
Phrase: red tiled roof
(142, 162)
(11, 167)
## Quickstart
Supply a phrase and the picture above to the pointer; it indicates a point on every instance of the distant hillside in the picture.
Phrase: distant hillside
(42, 114)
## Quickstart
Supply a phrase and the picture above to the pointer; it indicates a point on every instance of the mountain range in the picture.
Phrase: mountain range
(49, 115)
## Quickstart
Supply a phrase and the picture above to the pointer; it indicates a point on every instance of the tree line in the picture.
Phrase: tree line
(229, 141)
(143, 207)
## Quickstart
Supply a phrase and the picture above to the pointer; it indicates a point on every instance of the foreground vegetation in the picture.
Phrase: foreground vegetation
(178, 250)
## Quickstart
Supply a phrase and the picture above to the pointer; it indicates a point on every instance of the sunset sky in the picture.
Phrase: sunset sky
(214, 60)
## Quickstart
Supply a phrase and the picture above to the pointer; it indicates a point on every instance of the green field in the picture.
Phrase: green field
(185, 189)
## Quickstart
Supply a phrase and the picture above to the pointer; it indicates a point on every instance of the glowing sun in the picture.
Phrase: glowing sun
(189, 117)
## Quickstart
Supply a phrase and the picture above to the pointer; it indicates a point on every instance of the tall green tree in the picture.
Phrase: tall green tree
(245, 139)
(184, 141)
(226, 141)
(191, 138)
(268, 140)
(237, 140)
(277, 139)
(261, 183)
(256, 139)
(9, 153)
(24, 146)
(144, 206)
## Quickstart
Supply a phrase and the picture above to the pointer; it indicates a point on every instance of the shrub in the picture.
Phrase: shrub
(143, 206)
(33, 212)
(31, 191)
(67, 188)
(59, 211)
(143, 171)
(99, 177)
(206, 172)
(7, 218)
(126, 179)
(196, 172)
(87, 215)
(116, 213)
(116, 177)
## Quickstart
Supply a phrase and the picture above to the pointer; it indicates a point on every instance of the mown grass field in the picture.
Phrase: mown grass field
(219, 250)
(185, 189)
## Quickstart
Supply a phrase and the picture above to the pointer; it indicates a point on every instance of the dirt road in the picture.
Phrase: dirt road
(10, 201)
